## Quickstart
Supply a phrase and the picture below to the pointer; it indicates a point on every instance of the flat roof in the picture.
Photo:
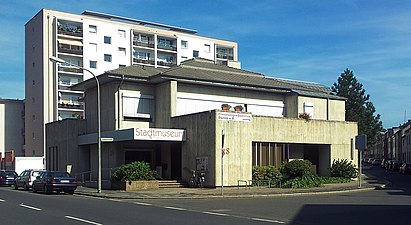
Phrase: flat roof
(141, 22)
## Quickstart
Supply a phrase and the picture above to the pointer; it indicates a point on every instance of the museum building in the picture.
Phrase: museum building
(173, 118)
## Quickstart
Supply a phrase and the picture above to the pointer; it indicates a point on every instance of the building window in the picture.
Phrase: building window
(33, 100)
(142, 55)
(195, 53)
(138, 107)
(93, 47)
(309, 109)
(93, 64)
(268, 154)
(107, 40)
(207, 48)
(92, 29)
(107, 58)
(122, 51)
(122, 34)
(34, 117)
(34, 82)
(184, 44)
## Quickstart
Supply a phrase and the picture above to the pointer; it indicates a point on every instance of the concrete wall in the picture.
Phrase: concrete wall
(204, 132)
(11, 126)
(62, 147)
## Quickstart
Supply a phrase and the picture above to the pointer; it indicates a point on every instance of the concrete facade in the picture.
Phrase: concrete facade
(11, 130)
(188, 98)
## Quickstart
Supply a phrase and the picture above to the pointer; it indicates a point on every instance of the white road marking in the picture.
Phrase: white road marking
(266, 220)
(83, 220)
(175, 208)
(216, 214)
(142, 203)
(2, 200)
(29, 207)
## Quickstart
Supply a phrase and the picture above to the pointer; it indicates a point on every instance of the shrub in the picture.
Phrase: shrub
(266, 173)
(343, 168)
(308, 180)
(295, 168)
(334, 180)
(134, 171)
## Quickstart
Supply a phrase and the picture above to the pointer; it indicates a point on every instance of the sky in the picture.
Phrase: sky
(293, 39)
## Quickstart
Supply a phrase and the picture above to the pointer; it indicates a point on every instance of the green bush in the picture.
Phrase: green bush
(295, 168)
(308, 180)
(266, 173)
(334, 180)
(133, 171)
(343, 168)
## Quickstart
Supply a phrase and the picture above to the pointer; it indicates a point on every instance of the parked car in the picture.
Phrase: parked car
(26, 178)
(405, 168)
(49, 181)
(7, 177)
(387, 164)
(394, 165)
(370, 160)
(376, 162)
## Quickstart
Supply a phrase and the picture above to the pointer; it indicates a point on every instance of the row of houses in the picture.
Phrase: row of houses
(394, 143)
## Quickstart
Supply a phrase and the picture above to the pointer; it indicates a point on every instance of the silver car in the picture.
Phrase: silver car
(26, 178)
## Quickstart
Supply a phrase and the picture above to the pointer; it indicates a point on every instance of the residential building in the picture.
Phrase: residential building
(172, 119)
(11, 131)
(98, 42)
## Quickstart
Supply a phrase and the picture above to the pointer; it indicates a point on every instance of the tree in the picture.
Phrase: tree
(358, 107)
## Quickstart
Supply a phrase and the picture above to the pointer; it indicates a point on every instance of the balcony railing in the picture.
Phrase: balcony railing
(167, 47)
(71, 105)
(225, 56)
(164, 63)
(70, 49)
(144, 61)
(70, 69)
(143, 44)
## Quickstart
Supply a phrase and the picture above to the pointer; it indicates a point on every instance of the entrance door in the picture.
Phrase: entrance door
(175, 161)
(133, 156)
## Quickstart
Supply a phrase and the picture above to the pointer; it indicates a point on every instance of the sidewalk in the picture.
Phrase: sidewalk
(367, 183)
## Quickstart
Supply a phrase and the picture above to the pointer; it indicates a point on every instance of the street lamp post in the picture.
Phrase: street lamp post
(58, 60)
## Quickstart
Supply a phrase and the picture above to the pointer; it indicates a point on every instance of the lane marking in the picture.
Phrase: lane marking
(2, 200)
(267, 220)
(29, 207)
(175, 208)
(82, 220)
(142, 203)
(215, 214)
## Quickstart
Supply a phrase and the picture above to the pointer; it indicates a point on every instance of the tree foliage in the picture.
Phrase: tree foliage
(358, 107)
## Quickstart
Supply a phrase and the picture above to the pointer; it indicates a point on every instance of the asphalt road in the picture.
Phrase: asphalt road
(390, 205)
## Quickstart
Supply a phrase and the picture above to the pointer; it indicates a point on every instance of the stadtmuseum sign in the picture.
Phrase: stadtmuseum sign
(159, 134)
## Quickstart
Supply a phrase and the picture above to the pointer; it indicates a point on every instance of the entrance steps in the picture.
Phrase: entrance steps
(171, 184)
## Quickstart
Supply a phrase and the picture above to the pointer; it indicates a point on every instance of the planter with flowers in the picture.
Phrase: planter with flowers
(306, 116)
(225, 107)
(238, 108)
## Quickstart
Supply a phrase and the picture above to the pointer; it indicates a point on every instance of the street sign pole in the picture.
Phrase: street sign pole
(222, 162)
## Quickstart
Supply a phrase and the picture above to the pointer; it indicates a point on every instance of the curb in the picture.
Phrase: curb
(356, 189)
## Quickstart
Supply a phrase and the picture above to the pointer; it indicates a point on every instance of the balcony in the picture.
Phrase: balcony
(167, 47)
(225, 56)
(70, 30)
(144, 61)
(70, 49)
(71, 105)
(165, 63)
(70, 70)
(146, 44)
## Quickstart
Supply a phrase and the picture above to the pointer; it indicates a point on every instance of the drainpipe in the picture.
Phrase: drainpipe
(118, 102)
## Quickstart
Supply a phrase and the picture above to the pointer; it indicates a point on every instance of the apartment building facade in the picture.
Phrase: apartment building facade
(98, 42)
(173, 119)
(11, 131)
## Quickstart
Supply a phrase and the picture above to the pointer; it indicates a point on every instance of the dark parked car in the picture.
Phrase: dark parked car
(49, 181)
(376, 162)
(395, 165)
(7, 177)
(405, 168)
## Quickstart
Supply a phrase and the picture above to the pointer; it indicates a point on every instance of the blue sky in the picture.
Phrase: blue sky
(301, 40)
